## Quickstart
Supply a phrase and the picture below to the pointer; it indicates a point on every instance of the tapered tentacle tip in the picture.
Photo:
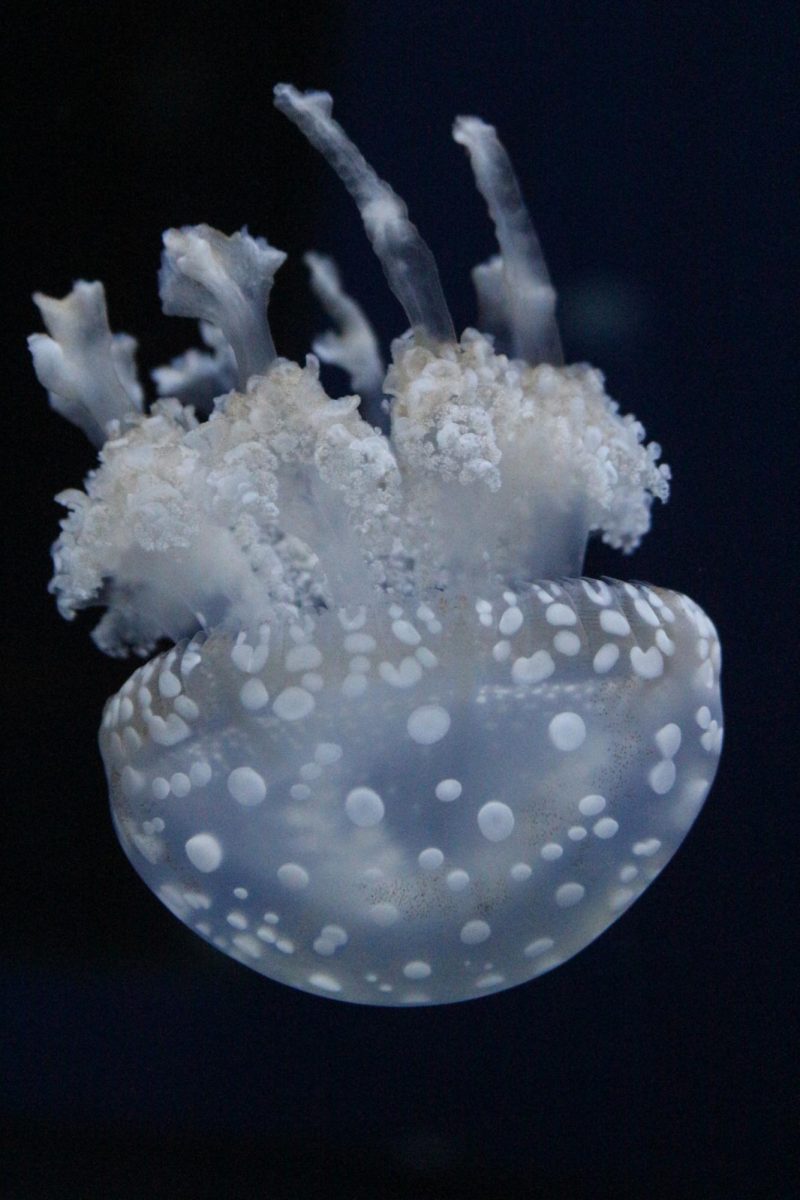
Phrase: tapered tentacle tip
(467, 128)
(287, 98)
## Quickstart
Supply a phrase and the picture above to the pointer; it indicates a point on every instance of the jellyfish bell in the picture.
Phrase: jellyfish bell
(420, 777)
(400, 752)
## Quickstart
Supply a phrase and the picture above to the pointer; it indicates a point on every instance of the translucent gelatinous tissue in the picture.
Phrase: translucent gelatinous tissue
(401, 752)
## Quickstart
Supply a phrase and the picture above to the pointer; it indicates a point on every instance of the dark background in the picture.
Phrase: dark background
(654, 144)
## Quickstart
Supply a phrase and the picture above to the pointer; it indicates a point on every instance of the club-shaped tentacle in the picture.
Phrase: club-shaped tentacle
(529, 299)
(406, 259)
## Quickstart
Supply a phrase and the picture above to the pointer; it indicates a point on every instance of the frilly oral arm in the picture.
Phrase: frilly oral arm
(197, 377)
(227, 281)
(354, 347)
(89, 372)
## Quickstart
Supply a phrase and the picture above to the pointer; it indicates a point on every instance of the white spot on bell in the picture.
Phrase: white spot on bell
(475, 932)
(246, 786)
(293, 704)
(496, 821)
(364, 807)
(293, 876)
(668, 740)
(534, 669)
(647, 664)
(590, 806)
(204, 852)
(428, 724)
(569, 894)
(417, 969)
(567, 731)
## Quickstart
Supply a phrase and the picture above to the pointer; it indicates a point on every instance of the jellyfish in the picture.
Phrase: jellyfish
(388, 745)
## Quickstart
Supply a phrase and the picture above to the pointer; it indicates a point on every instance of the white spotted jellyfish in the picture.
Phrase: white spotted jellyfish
(400, 751)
